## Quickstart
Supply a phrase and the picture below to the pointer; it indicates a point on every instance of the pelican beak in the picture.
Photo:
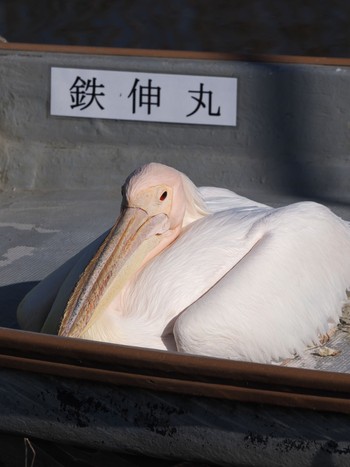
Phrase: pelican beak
(130, 243)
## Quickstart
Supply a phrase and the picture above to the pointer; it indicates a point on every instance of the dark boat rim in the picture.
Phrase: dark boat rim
(180, 54)
(174, 372)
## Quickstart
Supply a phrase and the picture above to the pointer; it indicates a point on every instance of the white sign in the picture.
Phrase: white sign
(153, 97)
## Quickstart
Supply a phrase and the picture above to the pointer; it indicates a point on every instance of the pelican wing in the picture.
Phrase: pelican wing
(280, 295)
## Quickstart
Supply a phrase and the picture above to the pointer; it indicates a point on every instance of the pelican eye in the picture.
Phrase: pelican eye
(163, 196)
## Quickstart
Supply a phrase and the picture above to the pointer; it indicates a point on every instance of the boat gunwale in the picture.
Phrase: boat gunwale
(172, 54)
(173, 372)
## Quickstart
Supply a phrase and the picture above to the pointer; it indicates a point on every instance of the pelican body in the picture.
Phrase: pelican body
(208, 272)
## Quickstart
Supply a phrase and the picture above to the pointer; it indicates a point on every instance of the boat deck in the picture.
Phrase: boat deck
(41, 231)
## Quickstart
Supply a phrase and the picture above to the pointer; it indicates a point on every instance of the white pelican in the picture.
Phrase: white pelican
(204, 271)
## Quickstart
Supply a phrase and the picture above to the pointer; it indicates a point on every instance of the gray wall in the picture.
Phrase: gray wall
(292, 136)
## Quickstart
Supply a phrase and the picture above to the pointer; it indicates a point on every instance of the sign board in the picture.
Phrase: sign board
(153, 97)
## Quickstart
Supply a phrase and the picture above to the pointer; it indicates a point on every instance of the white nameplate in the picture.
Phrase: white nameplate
(152, 97)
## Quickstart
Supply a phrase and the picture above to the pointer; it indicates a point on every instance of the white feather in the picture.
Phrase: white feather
(249, 283)
(242, 281)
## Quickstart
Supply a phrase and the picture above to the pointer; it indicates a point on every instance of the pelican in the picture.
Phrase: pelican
(202, 271)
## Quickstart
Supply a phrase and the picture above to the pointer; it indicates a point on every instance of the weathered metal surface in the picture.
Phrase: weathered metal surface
(173, 372)
(170, 426)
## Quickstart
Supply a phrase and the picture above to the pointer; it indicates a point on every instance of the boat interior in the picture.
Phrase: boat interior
(60, 176)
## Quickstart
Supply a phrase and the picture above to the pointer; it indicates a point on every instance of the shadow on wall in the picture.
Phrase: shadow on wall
(304, 138)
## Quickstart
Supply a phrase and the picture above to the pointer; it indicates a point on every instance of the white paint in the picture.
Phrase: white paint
(16, 253)
(19, 226)
(151, 97)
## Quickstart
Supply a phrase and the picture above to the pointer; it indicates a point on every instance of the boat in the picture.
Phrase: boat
(60, 176)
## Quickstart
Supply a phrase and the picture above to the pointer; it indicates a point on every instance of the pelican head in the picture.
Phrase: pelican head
(157, 203)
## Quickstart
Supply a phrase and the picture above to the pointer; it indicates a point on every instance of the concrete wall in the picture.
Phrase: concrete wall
(292, 136)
